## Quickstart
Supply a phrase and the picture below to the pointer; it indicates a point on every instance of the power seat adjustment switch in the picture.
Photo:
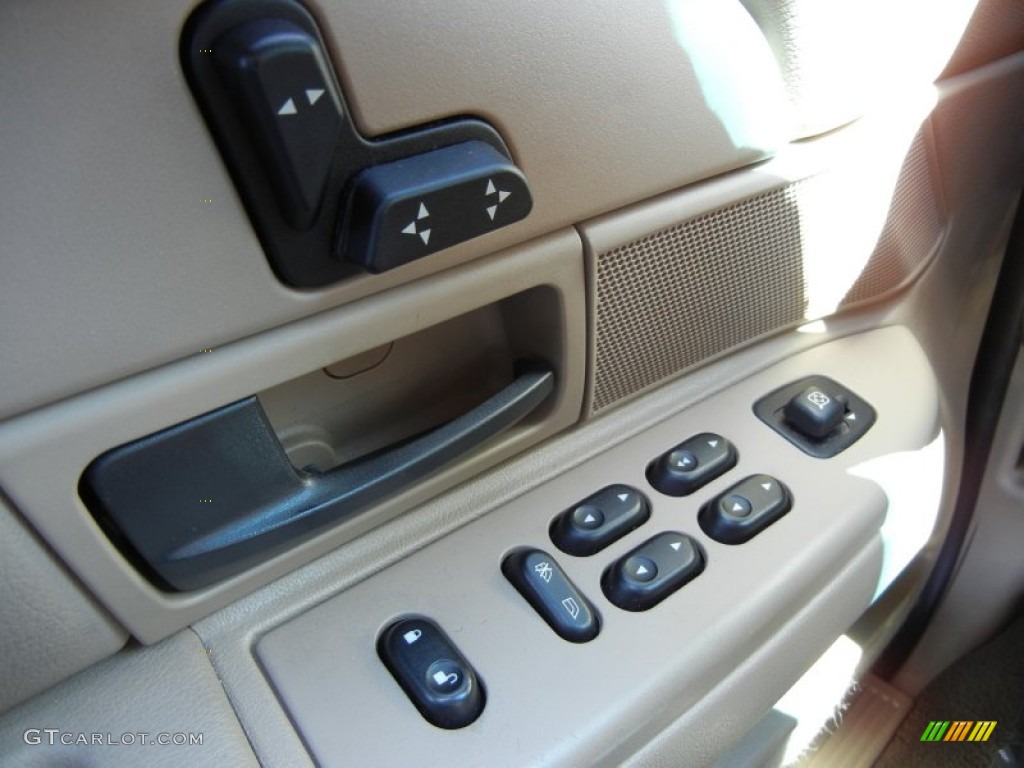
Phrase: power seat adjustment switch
(403, 210)
(281, 81)
(818, 415)
(435, 676)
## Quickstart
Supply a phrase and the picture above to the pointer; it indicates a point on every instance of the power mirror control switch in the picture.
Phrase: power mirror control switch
(600, 519)
(815, 412)
(544, 585)
(819, 416)
(692, 464)
(403, 210)
(648, 574)
(744, 510)
(433, 673)
(282, 84)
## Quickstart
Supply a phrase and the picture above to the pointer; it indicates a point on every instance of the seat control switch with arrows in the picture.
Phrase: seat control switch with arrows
(741, 512)
(692, 464)
(282, 83)
(600, 519)
(401, 211)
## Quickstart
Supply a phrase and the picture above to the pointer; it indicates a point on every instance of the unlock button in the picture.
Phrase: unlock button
(435, 676)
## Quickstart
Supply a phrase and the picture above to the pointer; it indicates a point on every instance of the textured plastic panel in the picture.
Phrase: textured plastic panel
(675, 297)
(51, 627)
(64, 438)
(136, 251)
(137, 701)
(644, 669)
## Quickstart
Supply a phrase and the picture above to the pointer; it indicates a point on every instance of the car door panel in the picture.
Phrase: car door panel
(723, 202)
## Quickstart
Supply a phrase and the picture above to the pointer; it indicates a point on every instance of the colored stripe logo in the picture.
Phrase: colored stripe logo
(958, 730)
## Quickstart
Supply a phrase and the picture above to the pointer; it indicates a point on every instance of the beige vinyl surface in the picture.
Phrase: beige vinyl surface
(628, 120)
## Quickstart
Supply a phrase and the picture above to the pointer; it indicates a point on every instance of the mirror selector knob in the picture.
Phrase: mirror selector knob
(282, 83)
(815, 412)
(545, 586)
(819, 416)
(744, 510)
(403, 210)
(600, 519)
(692, 464)
(435, 676)
(648, 574)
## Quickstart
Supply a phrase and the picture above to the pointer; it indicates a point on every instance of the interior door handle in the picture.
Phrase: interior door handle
(208, 498)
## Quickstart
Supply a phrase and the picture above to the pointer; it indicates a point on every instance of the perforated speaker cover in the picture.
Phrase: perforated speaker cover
(678, 296)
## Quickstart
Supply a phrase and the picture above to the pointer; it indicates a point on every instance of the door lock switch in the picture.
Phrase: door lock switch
(435, 676)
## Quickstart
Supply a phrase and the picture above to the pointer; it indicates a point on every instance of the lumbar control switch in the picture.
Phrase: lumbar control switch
(745, 509)
(432, 672)
(403, 210)
(598, 520)
(644, 577)
(691, 464)
(818, 415)
(545, 586)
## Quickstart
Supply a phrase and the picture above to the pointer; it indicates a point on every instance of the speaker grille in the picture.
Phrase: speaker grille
(674, 298)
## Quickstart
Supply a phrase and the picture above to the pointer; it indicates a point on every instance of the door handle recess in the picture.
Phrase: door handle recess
(203, 500)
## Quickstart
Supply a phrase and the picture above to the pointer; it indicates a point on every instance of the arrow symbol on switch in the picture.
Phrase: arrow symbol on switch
(737, 507)
(313, 95)
(423, 212)
(676, 545)
(766, 486)
(491, 210)
(425, 236)
(623, 496)
(713, 443)
(851, 417)
(641, 570)
(589, 518)
(288, 108)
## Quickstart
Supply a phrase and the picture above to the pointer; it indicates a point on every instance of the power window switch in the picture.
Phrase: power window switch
(744, 510)
(648, 574)
(692, 464)
(600, 519)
